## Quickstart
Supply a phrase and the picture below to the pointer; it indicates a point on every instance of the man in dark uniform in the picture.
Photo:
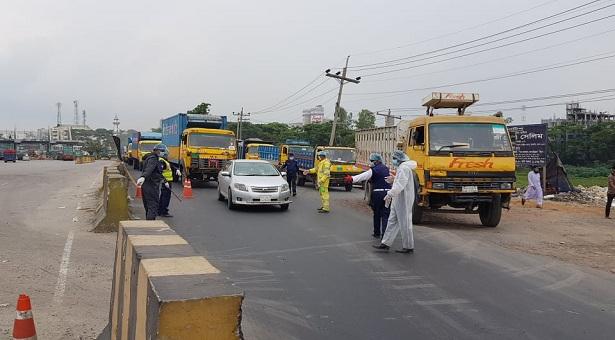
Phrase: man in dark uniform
(150, 181)
(292, 169)
(376, 176)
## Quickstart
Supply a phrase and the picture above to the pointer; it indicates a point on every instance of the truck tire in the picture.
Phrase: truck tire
(348, 187)
(491, 213)
(417, 213)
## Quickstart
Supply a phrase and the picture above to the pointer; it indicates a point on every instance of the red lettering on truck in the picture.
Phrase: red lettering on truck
(461, 163)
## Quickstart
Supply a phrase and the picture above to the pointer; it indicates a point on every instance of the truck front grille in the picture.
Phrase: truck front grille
(208, 164)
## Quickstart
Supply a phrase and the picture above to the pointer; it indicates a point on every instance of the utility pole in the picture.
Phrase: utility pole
(342, 79)
(59, 105)
(240, 121)
(83, 118)
(76, 102)
(389, 119)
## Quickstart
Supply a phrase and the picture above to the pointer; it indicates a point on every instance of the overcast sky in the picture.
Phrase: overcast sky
(144, 60)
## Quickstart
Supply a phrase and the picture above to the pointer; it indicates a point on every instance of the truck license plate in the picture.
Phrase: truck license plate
(265, 198)
(469, 189)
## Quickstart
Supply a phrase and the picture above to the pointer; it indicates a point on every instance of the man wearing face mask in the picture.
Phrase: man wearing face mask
(323, 176)
(534, 188)
(401, 199)
(376, 175)
(150, 181)
(292, 169)
(610, 194)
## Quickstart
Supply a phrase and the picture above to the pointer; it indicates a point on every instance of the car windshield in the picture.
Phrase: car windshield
(341, 155)
(255, 169)
(211, 140)
(468, 137)
(148, 147)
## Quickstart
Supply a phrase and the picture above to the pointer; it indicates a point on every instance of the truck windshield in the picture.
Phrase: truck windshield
(341, 155)
(211, 140)
(255, 169)
(468, 137)
(148, 147)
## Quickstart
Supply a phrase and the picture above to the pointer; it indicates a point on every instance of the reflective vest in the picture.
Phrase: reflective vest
(167, 172)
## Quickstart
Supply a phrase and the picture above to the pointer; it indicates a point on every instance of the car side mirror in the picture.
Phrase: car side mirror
(225, 173)
(283, 173)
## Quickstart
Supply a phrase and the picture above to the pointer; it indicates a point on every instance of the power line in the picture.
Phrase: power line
(365, 66)
(524, 100)
(525, 107)
(521, 73)
(298, 104)
(457, 32)
(295, 93)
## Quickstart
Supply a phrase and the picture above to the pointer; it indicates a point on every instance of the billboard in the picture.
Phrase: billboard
(530, 144)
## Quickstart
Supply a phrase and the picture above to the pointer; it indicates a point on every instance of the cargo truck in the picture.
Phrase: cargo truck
(145, 145)
(293, 146)
(199, 145)
(465, 163)
(343, 163)
(256, 148)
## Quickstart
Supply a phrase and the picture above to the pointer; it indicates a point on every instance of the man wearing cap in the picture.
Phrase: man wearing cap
(323, 174)
(292, 169)
(165, 191)
(376, 175)
(150, 181)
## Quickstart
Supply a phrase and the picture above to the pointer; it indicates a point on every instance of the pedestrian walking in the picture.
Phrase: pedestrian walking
(292, 169)
(165, 190)
(376, 175)
(401, 199)
(610, 194)
(150, 181)
(323, 175)
(534, 188)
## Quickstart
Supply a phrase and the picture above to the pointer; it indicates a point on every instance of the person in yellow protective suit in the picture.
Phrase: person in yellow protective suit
(323, 174)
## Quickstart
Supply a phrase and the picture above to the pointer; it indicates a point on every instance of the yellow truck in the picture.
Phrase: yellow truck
(199, 145)
(145, 143)
(465, 162)
(343, 163)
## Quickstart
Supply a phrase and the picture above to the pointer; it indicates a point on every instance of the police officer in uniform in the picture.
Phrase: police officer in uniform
(379, 187)
(165, 191)
(150, 181)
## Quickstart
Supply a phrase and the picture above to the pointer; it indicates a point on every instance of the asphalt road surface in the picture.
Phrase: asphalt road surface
(314, 276)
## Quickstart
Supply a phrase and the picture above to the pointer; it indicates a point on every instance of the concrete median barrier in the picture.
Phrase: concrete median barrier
(162, 289)
(114, 201)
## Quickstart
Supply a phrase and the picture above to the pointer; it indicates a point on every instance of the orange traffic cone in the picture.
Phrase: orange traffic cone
(23, 328)
(139, 193)
(187, 189)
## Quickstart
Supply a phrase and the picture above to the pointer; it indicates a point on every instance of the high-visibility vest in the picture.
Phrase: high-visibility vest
(167, 172)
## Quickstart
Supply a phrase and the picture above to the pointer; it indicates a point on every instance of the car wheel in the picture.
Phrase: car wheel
(220, 196)
(229, 200)
(284, 207)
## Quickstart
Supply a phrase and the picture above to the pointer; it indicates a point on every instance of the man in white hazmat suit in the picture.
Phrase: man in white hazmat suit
(534, 188)
(401, 198)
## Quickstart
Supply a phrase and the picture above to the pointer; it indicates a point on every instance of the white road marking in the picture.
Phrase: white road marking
(61, 284)
(421, 285)
(442, 302)
(400, 278)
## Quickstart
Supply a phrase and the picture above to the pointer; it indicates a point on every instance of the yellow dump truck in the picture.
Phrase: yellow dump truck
(465, 162)
(343, 163)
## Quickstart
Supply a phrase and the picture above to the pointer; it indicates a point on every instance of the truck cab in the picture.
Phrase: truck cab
(145, 148)
(205, 151)
(465, 163)
(343, 163)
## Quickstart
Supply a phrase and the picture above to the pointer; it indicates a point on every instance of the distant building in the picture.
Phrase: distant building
(575, 114)
(315, 115)
(64, 132)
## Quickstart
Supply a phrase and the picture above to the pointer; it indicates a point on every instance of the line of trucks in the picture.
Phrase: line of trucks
(465, 163)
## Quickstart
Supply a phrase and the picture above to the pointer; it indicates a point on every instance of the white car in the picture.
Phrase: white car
(253, 182)
(25, 157)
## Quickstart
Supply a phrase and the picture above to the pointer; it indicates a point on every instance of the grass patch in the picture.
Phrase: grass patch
(575, 179)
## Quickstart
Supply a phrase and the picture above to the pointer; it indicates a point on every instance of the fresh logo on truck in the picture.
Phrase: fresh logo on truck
(462, 163)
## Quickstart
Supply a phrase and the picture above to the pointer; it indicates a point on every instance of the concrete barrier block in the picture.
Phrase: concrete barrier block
(115, 202)
(162, 289)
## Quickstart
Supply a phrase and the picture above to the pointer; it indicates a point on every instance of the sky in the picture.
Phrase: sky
(146, 60)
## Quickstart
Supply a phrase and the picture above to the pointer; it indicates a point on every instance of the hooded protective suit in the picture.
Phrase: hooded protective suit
(402, 194)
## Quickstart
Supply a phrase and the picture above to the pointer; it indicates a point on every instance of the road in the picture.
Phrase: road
(48, 252)
(313, 276)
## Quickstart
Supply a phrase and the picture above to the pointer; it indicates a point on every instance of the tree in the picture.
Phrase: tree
(366, 120)
(201, 109)
(159, 130)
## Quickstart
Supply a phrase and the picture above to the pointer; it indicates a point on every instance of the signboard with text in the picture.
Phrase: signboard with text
(530, 144)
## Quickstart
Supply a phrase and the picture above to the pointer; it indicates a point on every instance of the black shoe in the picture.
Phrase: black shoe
(381, 246)
(322, 211)
(294, 194)
(166, 215)
(376, 236)
(404, 250)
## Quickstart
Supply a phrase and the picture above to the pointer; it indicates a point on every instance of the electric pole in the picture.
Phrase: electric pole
(83, 118)
(389, 119)
(76, 102)
(59, 105)
(342, 78)
(240, 121)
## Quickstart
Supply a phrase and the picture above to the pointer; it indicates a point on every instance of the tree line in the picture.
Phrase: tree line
(584, 146)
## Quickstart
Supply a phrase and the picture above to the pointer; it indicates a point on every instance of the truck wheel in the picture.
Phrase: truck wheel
(348, 187)
(491, 213)
(301, 181)
(417, 213)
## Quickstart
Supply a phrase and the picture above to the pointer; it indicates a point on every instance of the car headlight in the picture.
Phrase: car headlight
(439, 186)
(284, 187)
(241, 187)
(506, 186)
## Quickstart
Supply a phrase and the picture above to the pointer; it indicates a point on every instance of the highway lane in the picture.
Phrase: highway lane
(315, 276)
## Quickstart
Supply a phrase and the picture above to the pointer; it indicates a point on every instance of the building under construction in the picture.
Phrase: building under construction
(575, 114)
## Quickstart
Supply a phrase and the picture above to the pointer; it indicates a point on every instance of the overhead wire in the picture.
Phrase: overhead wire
(295, 93)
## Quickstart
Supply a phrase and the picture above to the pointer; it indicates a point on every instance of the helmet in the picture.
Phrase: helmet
(373, 157)
(322, 153)
(160, 147)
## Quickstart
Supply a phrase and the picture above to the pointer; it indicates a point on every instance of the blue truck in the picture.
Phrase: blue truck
(199, 145)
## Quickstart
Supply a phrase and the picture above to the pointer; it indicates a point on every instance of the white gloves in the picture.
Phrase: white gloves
(389, 179)
(166, 185)
(387, 200)
(140, 181)
(178, 173)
